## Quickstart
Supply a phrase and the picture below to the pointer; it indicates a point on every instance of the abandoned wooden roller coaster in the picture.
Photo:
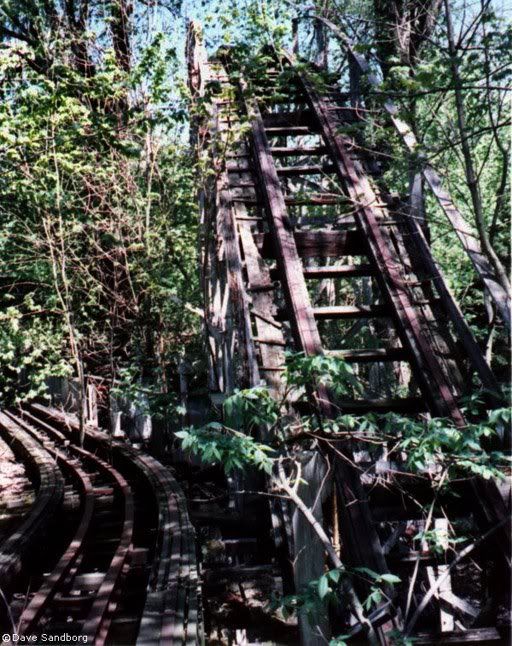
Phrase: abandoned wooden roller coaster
(305, 256)
(304, 248)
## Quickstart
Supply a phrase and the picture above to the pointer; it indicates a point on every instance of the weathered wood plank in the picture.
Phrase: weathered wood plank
(317, 244)
(339, 271)
(368, 356)
(296, 171)
(298, 151)
(297, 118)
(319, 200)
(291, 131)
(351, 311)
(261, 288)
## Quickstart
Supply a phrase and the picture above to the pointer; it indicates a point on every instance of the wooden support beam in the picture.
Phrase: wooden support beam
(424, 257)
(298, 151)
(291, 131)
(306, 200)
(315, 200)
(352, 312)
(301, 118)
(339, 271)
(270, 338)
(294, 171)
(316, 244)
(286, 252)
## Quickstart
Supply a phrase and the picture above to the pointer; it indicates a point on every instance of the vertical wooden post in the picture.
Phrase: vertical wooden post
(92, 403)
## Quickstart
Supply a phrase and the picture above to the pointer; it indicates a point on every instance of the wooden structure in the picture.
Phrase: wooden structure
(303, 248)
(114, 559)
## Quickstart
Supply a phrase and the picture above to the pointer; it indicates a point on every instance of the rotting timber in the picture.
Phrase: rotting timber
(296, 216)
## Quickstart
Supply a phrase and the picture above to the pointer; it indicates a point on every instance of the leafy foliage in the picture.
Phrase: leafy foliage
(318, 594)
(97, 203)
(217, 444)
(320, 370)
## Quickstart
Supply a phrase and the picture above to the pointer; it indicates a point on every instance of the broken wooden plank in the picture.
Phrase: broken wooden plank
(446, 619)
(367, 356)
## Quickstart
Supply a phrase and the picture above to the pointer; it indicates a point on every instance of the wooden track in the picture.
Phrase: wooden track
(100, 571)
(266, 240)
(50, 488)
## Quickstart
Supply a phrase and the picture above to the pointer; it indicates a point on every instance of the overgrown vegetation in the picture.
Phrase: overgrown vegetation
(98, 234)
(99, 225)
(97, 199)
(432, 449)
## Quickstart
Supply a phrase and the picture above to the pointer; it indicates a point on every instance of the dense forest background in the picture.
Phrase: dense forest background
(99, 183)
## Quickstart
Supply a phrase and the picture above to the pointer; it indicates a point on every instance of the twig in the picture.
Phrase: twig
(284, 483)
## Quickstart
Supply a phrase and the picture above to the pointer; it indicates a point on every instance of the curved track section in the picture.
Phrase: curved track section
(171, 610)
(102, 491)
(91, 584)
(50, 489)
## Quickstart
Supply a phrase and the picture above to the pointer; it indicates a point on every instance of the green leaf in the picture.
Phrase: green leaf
(323, 586)
(390, 578)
